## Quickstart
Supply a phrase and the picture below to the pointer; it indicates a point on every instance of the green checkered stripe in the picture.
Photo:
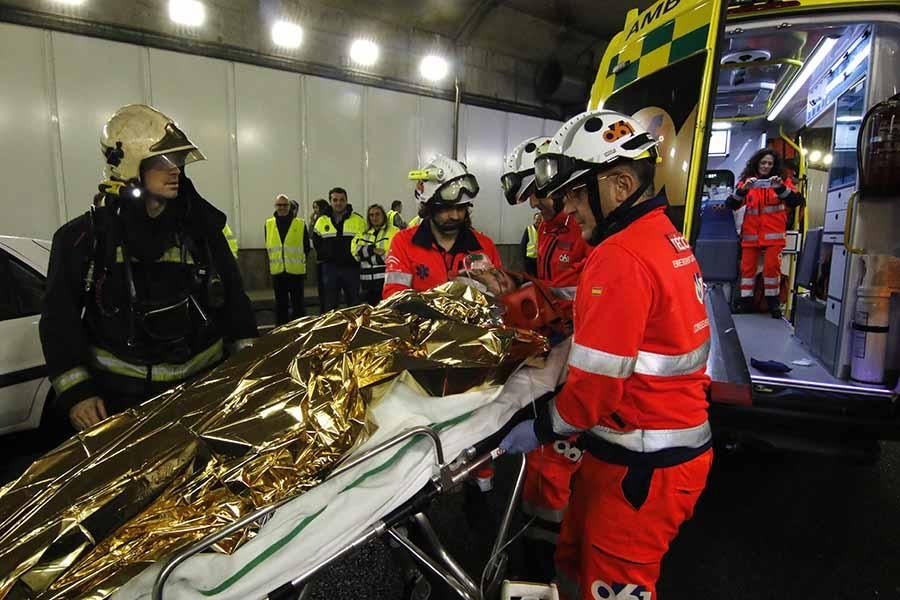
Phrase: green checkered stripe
(650, 60)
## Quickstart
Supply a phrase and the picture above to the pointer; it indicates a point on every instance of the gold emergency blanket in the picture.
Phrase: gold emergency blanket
(268, 423)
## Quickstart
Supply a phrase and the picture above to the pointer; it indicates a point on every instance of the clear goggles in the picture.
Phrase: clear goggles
(553, 170)
(171, 160)
(516, 184)
(453, 191)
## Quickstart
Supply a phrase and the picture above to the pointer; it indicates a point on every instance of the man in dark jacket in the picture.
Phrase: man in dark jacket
(143, 292)
(332, 234)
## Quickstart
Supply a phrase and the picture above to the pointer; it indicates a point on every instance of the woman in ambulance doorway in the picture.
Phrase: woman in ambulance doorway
(768, 198)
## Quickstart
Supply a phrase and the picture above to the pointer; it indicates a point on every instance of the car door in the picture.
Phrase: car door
(661, 68)
(22, 368)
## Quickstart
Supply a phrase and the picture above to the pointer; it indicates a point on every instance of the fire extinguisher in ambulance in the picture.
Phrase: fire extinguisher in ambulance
(878, 151)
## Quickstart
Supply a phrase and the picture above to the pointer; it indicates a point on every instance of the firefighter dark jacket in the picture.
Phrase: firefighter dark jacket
(130, 298)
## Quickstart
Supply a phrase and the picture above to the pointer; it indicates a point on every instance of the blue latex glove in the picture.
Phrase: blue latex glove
(521, 439)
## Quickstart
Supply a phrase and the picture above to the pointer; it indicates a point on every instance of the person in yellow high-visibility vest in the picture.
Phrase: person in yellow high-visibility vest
(370, 248)
(529, 245)
(288, 244)
(231, 239)
(395, 215)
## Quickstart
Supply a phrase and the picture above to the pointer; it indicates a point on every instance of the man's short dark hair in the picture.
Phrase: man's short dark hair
(337, 190)
(396, 204)
(645, 171)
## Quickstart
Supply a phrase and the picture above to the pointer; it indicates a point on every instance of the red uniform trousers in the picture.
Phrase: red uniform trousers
(616, 547)
(771, 269)
(547, 486)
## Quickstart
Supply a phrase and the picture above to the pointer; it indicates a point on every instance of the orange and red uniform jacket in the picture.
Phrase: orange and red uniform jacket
(562, 253)
(416, 261)
(765, 219)
(638, 358)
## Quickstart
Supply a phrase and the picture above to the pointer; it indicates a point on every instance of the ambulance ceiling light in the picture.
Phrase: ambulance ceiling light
(809, 67)
(721, 125)
(815, 155)
(828, 159)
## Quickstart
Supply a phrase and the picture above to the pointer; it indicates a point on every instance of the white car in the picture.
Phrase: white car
(24, 387)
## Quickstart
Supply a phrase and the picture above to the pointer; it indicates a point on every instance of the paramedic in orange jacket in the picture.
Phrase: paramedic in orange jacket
(636, 388)
(561, 254)
(768, 199)
(444, 243)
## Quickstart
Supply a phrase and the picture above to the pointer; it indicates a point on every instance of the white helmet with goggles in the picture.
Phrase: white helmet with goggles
(589, 142)
(444, 181)
(139, 136)
(518, 174)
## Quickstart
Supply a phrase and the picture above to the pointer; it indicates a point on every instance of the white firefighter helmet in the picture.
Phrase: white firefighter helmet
(589, 142)
(518, 170)
(138, 132)
(445, 181)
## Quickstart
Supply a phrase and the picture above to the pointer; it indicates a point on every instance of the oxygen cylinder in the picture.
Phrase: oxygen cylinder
(872, 318)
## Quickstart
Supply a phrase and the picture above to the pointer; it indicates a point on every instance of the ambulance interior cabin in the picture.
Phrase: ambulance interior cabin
(804, 87)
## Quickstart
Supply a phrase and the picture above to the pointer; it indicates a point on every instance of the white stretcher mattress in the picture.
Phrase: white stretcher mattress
(326, 518)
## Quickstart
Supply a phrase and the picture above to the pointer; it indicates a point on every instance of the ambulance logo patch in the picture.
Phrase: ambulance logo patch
(677, 240)
(422, 271)
(563, 258)
(698, 287)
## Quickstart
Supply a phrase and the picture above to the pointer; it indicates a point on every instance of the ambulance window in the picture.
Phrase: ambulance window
(719, 141)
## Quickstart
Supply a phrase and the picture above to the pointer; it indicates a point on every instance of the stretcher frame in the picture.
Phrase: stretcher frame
(440, 564)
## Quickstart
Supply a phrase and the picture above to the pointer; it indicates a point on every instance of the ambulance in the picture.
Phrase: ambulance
(813, 80)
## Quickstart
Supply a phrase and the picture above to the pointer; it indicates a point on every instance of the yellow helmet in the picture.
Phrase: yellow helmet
(137, 132)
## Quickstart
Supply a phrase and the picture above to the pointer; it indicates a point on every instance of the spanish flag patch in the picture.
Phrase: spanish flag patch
(596, 291)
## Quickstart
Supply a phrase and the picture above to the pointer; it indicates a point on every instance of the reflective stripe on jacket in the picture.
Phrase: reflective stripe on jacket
(531, 250)
(333, 239)
(363, 247)
(638, 357)
(287, 256)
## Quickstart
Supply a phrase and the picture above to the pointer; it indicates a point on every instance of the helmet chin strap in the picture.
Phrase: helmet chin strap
(612, 223)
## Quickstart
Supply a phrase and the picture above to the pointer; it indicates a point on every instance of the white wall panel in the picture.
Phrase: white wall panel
(269, 146)
(392, 148)
(334, 137)
(517, 218)
(86, 97)
(29, 198)
(436, 128)
(551, 127)
(194, 91)
(485, 143)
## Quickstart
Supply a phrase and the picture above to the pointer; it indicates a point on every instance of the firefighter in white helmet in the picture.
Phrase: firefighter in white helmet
(445, 242)
(561, 253)
(636, 386)
(143, 292)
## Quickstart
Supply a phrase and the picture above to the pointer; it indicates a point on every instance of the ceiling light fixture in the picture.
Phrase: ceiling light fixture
(721, 125)
(809, 67)
(815, 155)
(70, 2)
(287, 35)
(828, 158)
(433, 67)
(364, 52)
(187, 12)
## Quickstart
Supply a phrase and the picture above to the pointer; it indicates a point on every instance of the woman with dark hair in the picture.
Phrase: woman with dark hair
(370, 248)
(768, 199)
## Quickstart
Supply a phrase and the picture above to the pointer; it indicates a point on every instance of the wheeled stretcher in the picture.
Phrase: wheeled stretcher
(424, 446)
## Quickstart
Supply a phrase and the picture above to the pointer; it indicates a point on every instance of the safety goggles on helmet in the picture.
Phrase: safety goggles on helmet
(552, 171)
(452, 191)
(515, 185)
(170, 160)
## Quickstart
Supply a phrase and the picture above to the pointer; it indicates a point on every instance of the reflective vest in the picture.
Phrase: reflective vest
(363, 246)
(531, 250)
(393, 216)
(288, 256)
(765, 217)
(334, 239)
(414, 221)
(232, 241)
(639, 381)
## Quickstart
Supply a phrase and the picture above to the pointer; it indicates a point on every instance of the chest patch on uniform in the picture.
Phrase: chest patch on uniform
(698, 287)
(678, 242)
(596, 291)
(328, 228)
(564, 258)
(422, 271)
